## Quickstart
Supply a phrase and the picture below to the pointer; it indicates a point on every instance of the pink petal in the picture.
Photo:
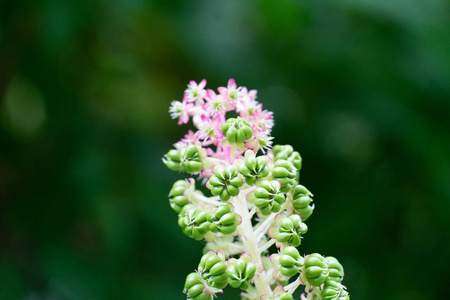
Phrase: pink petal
(231, 83)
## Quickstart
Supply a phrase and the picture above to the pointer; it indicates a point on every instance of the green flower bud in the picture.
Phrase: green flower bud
(316, 269)
(291, 262)
(253, 167)
(241, 273)
(334, 291)
(285, 172)
(291, 230)
(335, 268)
(213, 269)
(222, 220)
(195, 288)
(283, 296)
(302, 202)
(194, 223)
(176, 195)
(237, 130)
(225, 182)
(191, 160)
(268, 197)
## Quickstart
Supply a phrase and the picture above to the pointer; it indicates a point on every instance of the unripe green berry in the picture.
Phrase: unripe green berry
(286, 152)
(283, 296)
(195, 289)
(316, 269)
(285, 172)
(335, 268)
(237, 130)
(225, 182)
(213, 269)
(194, 223)
(191, 160)
(334, 291)
(282, 151)
(301, 202)
(241, 273)
(290, 230)
(173, 160)
(176, 195)
(268, 197)
(253, 167)
(187, 159)
(222, 220)
(291, 262)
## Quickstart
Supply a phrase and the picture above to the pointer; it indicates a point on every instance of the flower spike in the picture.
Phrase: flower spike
(256, 201)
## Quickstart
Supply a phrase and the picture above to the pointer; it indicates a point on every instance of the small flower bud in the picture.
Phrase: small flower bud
(241, 272)
(195, 288)
(334, 291)
(335, 268)
(290, 260)
(316, 269)
(213, 269)
(253, 167)
(176, 195)
(225, 182)
(222, 220)
(285, 172)
(290, 230)
(301, 202)
(268, 197)
(237, 130)
(194, 223)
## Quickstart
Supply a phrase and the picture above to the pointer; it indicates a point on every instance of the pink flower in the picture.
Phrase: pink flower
(210, 129)
(180, 110)
(196, 92)
(246, 100)
(231, 92)
(216, 104)
(189, 139)
(261, 139)
(261, 117)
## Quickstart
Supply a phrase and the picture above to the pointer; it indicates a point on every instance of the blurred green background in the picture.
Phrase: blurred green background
(361, 88)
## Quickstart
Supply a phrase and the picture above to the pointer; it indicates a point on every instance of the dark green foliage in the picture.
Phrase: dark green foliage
(359, 88)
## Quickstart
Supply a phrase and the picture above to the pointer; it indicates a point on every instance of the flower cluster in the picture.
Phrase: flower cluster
(256, 202)
(207, 109)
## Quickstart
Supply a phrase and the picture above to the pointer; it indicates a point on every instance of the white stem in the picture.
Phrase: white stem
(252, 212)
(290, 288)
(262, 228)
(209, 201)
(248, 237)
(237, 247)
(267, 245)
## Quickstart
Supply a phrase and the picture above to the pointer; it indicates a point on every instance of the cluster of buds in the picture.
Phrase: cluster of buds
(256, 206)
